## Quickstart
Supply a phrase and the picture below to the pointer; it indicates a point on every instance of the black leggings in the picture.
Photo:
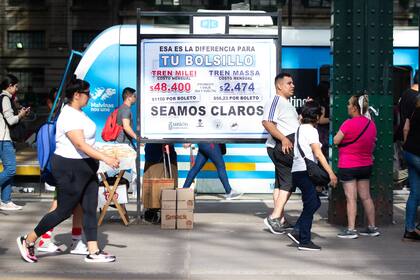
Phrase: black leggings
(77, 182)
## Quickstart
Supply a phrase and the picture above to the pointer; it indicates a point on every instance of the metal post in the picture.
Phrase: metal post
(63, 80)
(279, 42)
(289, 12)
(138, 128)
(362, 59)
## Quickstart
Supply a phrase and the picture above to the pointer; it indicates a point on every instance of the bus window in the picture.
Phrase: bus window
(324, 73)
(305, 81)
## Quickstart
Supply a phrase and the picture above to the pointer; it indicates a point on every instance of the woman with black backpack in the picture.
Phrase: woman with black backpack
(9, 87)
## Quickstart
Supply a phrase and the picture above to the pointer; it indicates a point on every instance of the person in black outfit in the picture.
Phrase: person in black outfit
(407, 104)
(402, 111)
(411, 137)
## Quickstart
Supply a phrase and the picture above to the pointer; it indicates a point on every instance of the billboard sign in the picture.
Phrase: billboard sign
(205, 88)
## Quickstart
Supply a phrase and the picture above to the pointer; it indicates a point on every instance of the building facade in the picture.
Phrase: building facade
(38, 35)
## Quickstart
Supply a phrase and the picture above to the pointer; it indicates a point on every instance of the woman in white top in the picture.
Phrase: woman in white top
(74, 165)
(308, 139)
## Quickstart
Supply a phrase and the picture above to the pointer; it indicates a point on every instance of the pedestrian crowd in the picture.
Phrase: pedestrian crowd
(296, 144)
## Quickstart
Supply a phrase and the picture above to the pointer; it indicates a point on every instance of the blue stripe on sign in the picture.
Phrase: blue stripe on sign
(227, 158)
(231, 174)
(233, 158)
(244, 146)
(273, 108)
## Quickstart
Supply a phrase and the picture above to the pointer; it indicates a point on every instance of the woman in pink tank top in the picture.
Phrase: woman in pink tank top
(356, 142)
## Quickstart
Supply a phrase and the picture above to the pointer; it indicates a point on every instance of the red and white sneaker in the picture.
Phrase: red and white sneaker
(47, 246)
(100, 257)
(26, 251)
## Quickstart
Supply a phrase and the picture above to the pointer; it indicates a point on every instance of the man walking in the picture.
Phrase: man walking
(124, 117)
(281, 122)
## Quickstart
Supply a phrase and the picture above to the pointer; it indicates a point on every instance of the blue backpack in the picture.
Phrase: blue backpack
(45, 144)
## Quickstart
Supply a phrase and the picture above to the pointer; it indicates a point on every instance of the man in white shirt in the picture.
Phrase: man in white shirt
(281, 122)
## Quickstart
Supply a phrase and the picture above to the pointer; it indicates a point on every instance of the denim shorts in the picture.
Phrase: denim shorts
(355, 173)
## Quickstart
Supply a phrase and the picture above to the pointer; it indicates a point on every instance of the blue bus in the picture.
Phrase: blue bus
(110, 61)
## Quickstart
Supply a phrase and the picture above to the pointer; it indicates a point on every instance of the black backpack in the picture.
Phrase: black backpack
(17, 131)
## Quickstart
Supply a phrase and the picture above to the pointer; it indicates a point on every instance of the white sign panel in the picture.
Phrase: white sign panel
(209, 25)
(205, 88)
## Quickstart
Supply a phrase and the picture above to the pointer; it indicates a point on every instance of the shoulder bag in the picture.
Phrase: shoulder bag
(341, 145)
(316, 173)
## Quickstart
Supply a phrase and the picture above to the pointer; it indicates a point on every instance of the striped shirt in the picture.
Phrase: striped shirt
(281, 112)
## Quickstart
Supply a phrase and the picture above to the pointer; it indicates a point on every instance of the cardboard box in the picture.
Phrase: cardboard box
(177, 209)
(185, 204)
(152, 189)
(184, 219)
(168, 219)
(168, 199)
(168, 194)
(185, 199)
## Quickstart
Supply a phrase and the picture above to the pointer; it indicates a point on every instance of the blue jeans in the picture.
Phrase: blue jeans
(311, 203)
(209, 151)
(8, 158)
(413, 201)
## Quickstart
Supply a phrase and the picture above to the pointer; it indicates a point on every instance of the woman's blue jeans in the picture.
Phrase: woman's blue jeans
(8, 158)
(209, 151)
(311, 203)
(413, 201)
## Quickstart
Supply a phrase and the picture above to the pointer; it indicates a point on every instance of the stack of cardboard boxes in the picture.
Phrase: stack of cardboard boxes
(177, 209)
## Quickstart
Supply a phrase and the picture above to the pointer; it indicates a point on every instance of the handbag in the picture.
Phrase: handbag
(316, 173)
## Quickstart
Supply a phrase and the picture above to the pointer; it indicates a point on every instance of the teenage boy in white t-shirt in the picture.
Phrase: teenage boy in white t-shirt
(281, 121)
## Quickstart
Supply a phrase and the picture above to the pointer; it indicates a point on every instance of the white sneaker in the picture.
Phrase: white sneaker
(78, 247)
(233, 195)
(48, 247)
(49, 188)
(100, 257)
(10, 206)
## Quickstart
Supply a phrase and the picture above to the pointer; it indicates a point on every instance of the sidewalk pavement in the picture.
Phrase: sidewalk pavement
(229, 241)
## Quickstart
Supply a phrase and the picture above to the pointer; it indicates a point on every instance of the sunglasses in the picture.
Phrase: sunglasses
(87, 92)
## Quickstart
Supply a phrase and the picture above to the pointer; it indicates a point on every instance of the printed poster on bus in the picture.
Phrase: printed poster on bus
(205, 88)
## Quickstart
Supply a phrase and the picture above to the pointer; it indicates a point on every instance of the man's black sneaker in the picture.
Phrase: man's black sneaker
(100, 257)
(411, 236)
(309, 247)
(370, 231)
(294, 236)
(286, 225)
(348, 234)
(274, 225)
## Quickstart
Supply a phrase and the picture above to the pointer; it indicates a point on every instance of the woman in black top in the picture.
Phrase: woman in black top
(411, 147)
